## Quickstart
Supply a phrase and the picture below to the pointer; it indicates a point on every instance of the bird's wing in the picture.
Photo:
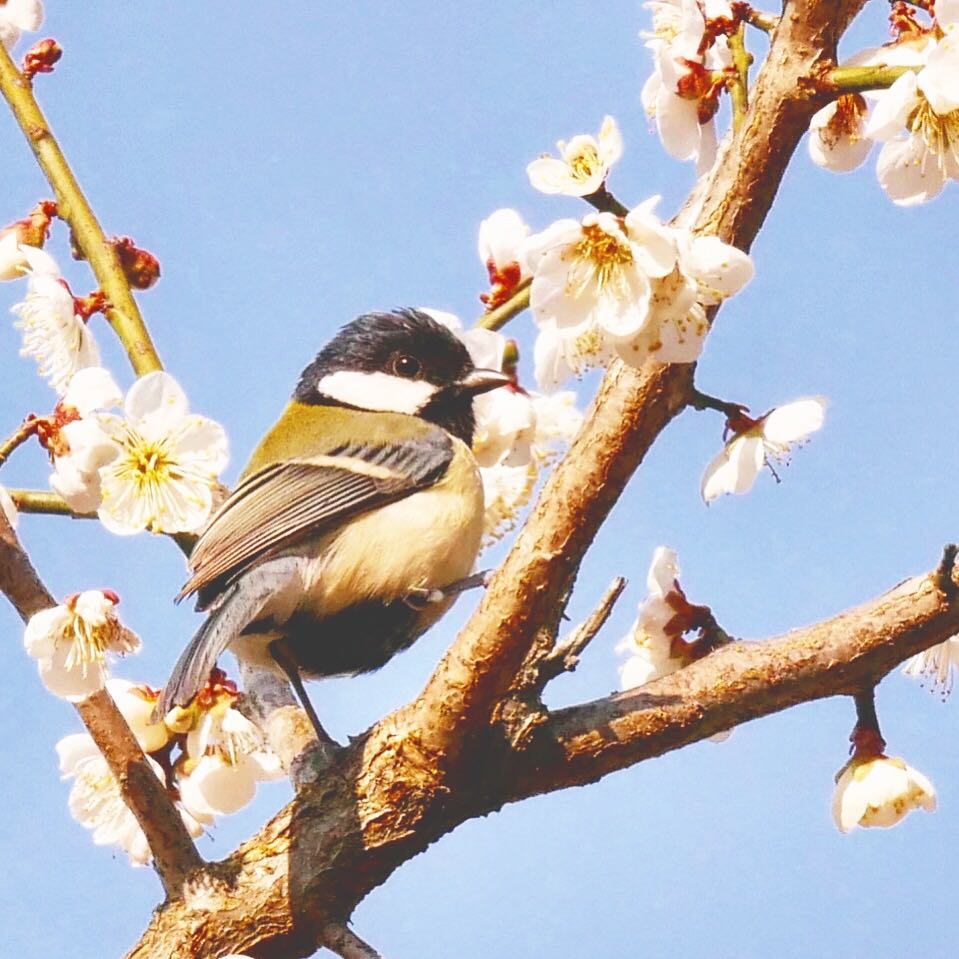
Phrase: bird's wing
(285, 502)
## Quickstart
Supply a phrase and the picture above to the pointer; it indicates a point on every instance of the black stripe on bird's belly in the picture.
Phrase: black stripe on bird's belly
(358, 639)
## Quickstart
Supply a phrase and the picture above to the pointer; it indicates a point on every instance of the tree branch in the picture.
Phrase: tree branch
(122, 312)
(174, 854)
(632, 407)
(385, 800)
(737, 683)
(564, 656)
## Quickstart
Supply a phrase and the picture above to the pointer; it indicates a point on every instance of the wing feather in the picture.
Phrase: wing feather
(285, 502)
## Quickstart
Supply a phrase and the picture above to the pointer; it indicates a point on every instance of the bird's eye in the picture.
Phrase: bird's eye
(406, 366)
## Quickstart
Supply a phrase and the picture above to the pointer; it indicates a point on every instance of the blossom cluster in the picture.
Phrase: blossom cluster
(221, 756)
(518, 432)
(916, 119)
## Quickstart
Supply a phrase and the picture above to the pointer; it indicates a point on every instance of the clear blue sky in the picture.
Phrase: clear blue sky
(294, 164)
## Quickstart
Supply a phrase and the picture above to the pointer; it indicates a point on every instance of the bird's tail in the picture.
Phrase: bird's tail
(196, 662)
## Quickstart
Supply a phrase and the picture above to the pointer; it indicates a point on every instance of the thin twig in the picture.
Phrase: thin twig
(339, 938)
(767, 22)
(703, 401)
(946, 571)
(42, 501)
(495, 319)
(739, 84)
(26, 429)
(174, 854)
(860, 79)
(565, 654)
(123, 312)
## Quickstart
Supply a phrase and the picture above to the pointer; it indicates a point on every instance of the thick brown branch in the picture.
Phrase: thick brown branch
(737, 683)
(174, 854)
(385, 800)
(632, 407)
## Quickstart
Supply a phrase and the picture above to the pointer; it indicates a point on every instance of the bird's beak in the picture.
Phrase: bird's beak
(481, 381)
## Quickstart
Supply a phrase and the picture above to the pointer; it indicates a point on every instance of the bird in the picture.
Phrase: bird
(358, 518)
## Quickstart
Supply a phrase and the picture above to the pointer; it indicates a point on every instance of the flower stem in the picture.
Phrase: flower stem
(40, 501)
(703, 401)
(123, 312)
(858, 79)
(739, 83)
(866, 737)
(498, 318)
(26, 429)
(605, 202)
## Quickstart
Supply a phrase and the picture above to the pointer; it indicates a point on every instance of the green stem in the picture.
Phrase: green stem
(40, 501)
(123, 313)
(858, 79)
(767, 22)
(739, 85)
(495, 319)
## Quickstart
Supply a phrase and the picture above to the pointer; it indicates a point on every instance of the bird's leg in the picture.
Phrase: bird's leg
(281, 654)
(420, 598)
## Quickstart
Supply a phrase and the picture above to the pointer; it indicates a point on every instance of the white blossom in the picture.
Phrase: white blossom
(630, 287)
(837, 134)
(506, 490)
(167, 461)
(53, 332)
(136, 704)
(654, 649)
(879, 791)
(680, 94)
(8, 507)
(917, 118)
(584, 164)
(97, 804)
(81, 447)
(501, 247)
(17, 259)
(71, 643)
(759, 443)
(17, 16)
(936, 665)
(226, 756)
(517, 432)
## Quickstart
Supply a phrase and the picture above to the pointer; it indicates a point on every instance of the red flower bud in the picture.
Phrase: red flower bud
(141, 267)
(41, 57)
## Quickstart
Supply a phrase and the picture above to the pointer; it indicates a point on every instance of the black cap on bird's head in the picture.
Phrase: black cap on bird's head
(402, 362)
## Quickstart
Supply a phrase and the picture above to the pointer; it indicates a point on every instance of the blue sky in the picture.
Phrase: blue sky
(295, 166)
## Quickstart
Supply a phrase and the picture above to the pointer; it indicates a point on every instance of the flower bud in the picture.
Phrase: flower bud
(141, 267)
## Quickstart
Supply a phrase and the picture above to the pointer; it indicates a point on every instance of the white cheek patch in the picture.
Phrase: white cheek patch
(376, 391)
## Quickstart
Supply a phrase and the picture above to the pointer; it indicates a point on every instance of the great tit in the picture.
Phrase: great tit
(357, 510)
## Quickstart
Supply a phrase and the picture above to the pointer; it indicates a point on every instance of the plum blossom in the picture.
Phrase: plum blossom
(630, 287)
(97, 804)
(585, 163)
(758, 442)
(502, 241)
(54, 332)
(136, 703)
(225, 754)
(879, 791)
(77, 442)
(167, 460)
(654, 650)
(72, 641)
(837, 134)
(682, 93)
(20, 244)
(517, 432)
(936, 665)
(917, 118)
(17, 16)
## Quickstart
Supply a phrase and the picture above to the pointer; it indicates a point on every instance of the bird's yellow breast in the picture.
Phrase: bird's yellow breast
(426, 540)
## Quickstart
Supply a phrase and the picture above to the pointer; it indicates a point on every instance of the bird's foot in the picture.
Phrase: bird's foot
(420, 598)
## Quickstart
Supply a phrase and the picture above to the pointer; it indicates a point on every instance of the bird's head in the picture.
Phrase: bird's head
(400, 362)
